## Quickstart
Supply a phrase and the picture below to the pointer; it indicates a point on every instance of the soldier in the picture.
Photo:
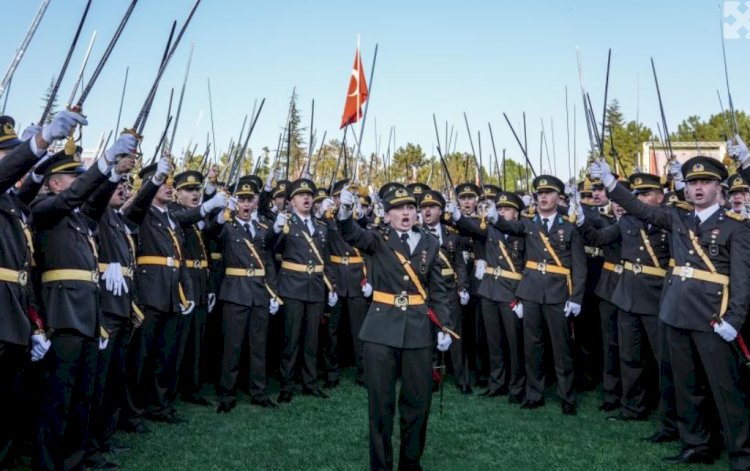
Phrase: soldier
(397, 334)
(501, 310)
(351, 288)
(163, 286)
(16, 251)
(739, 194)
(305, 274)
(710, 275)
(248, 294)
(192, 328)
(455, 274)
(551, 289)
(644, 260)
(66, 256)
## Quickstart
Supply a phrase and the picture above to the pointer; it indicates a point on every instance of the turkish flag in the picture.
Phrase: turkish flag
(357, 94)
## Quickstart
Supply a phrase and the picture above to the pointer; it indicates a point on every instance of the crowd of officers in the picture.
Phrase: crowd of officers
(123, 290)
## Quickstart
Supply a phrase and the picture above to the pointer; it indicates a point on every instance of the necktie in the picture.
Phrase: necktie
(405, 240)
(309, 226)
(545, 222)
(697, 224)
(248, 230)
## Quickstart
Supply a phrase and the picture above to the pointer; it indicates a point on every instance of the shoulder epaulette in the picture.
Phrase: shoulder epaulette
(451, 229)
(527, 215)
(566, 218)
(684, 205)
(736, 216)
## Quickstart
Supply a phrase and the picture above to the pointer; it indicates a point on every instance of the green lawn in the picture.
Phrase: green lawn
(472, 434)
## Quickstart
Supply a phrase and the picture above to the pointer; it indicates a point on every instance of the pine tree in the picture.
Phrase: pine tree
(46, 99)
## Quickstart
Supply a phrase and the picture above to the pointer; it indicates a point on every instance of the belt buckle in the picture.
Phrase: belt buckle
(95, 276)
(637, 268)
(310, 269)
(686, 272)
(542, 267)
(196, 263)
(401, 301)
(345, 260)
(170, 261)
(23, 278)
(250, 272)
(619, 269)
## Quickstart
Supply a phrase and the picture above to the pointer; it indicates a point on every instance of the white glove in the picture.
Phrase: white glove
(163, 166)
(324, 206)
(185, 310)
(452, 209)
(379, 211)
(367, 290)
(273, 306)
(232, 203)
(346, 197)
(333, 298)
(480, 267)
(281, 220)
(62, 125)
(463, 297)
(211, 301)
(103, 342)
(575, 209)
(725, 330)
(738, 150)
(518, 309)
(219, 200)
(443, 341)
(268, 185)
(675, 170)
(126, 144)
(39, 346)
(599, 170)
(491, 213)
(30, 132)
(527, 200)
(572, 308)
(114, 281)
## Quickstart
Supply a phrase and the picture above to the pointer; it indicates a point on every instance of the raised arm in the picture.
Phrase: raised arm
(656, 215)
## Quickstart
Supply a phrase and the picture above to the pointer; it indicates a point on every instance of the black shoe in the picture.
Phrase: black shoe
(515, 399)
(622, 417)
(265, 403)
(661, 437)
(609, 406)
(284, 396)
(465, 389)
(568, 408)
(102, 464)
(315, 392)
(225, 407)
(331, 384)
(116, 449)
(532, 404)
(691, 455)
(197, 400)
(139, 428)
(493, 392)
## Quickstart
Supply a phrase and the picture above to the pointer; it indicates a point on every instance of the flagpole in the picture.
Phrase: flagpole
(367, 104)
(359, 107)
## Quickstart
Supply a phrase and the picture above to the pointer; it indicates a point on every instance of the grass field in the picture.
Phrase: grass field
(472, 434)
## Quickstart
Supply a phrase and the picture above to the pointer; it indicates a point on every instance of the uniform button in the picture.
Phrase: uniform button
(406, 278)
(687, 264)
(640, 248)
(691, 252)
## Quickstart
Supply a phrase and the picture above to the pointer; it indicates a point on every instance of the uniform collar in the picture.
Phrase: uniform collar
(704, 214)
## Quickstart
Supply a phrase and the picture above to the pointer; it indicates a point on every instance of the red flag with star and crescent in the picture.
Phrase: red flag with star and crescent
(357, 94)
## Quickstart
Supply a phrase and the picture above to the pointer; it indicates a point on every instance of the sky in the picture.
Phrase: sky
(444, 57)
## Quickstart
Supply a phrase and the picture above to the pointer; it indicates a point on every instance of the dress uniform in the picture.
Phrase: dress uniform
(397, 334)
(163, 286)
(504, 256)
(552, 288)
(192, 328)
(351, 275)
(712, 276)
(248, 285)
(15, 263)
(643, 267)
(455, 274)
(66, 256)
(304, 277)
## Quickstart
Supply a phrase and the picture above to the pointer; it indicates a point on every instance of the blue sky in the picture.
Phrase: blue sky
(481, 57)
